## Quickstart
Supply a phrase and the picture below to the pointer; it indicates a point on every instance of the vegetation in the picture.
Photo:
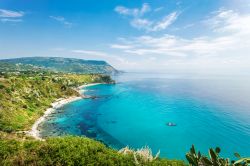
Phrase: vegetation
(23, 98)
(197, 159)
(66, 65)
(26, 90)
(143, 155)
(66, 151)
(10, 67)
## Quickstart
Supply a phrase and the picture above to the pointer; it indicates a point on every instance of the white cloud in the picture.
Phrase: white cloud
(10, 20)
(88, 52)
(149, 25)
(10, 16)
(158, 9)
(165, 22)
(227, 45)
(119, 46)
(136, 12)
(139, 21)
(229, 21)
(145, 8)
(237, 28)
(62, 20)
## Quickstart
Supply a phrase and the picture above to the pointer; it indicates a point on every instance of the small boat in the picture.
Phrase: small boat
(171, 124)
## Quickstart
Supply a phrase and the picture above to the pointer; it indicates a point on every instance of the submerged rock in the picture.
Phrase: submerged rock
(91, 133)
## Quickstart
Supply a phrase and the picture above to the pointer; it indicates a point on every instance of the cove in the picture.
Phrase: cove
(207, 112)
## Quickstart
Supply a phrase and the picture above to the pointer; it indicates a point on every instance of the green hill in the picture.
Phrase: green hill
(23, 68)
(67, 65)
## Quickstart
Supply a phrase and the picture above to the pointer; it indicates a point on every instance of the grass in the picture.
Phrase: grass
(69, 150)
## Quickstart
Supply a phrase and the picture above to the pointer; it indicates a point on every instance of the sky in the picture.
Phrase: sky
(210, 36)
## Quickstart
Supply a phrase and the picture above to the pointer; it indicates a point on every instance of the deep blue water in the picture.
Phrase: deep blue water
(208, 112)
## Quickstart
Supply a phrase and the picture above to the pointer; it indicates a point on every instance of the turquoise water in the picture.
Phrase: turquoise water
(208, 112)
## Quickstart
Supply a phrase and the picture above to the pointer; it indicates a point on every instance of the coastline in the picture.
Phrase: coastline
(81, 90)
(34, 132)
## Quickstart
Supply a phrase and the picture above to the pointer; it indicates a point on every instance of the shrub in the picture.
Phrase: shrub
(197, 159)
(67, 150)
(2, 86)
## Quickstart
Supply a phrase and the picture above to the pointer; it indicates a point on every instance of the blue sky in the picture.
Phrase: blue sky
(160, 35)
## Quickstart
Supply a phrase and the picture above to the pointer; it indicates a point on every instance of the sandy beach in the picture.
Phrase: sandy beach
(87, 85)
(34, 132)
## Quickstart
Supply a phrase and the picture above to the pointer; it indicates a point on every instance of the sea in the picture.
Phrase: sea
(165, 112)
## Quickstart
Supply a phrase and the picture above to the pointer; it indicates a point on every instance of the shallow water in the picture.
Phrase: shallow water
(208, 112)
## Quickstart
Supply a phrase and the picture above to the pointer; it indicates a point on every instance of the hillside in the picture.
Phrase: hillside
(68, 65)
(6, 67)
(70, 150)
(24, 98)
